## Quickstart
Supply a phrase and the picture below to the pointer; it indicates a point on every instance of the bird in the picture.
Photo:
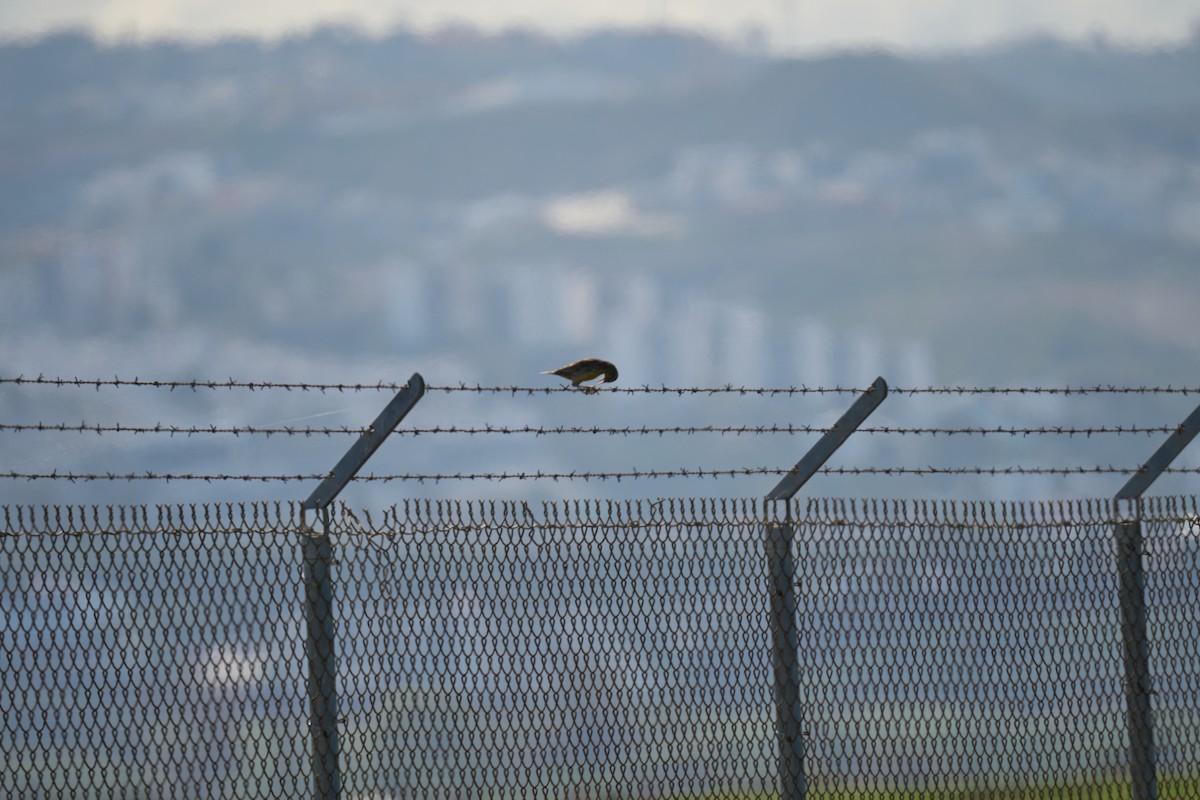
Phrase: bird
(585, 370)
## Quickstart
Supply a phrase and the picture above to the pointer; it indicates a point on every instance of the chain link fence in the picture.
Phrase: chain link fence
(590, 649)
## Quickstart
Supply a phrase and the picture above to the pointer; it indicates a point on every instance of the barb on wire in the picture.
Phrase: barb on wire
(535, 430)
(634, 474)
(196, 384)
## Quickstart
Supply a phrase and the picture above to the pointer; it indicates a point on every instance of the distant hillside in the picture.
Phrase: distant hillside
(869, 98)
(872, 100)
(465, 114)
(1096, 77)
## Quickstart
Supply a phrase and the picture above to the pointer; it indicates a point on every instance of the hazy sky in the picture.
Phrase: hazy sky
(806, 24)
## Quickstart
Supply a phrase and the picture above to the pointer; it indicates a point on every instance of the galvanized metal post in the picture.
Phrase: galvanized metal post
(785, 661)
(1139, 718)
(1131, 589)
(317, 554)
(322, 660)
(781, 568)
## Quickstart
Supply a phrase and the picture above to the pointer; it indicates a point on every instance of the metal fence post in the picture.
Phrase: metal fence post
(322, 660)
(785, 661)
(321, 641)
(1136, 658)
(781, 568)
(1131, 589)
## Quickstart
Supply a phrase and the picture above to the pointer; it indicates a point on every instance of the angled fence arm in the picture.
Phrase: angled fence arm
(781, 567)
(317, 555)
(367, 443)
(1131, 588)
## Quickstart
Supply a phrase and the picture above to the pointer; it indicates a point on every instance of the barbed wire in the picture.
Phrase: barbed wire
(795, 390)
(635, 474)
(177, 430)
(646, 389)
(641, 430)
(196, 384)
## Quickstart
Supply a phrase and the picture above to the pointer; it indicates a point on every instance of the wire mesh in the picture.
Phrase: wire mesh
(150, 655)
(592, 649)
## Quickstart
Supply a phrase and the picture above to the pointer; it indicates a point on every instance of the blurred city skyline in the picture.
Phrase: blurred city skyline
(781, 26)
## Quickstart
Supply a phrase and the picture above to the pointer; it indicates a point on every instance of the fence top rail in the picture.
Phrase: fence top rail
(421, 517)
(196, 384)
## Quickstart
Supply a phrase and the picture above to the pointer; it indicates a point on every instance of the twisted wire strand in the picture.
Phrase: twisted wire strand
(642, 430)
(634, 474)
(196, 384)
(179, 430)
(442, 516)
